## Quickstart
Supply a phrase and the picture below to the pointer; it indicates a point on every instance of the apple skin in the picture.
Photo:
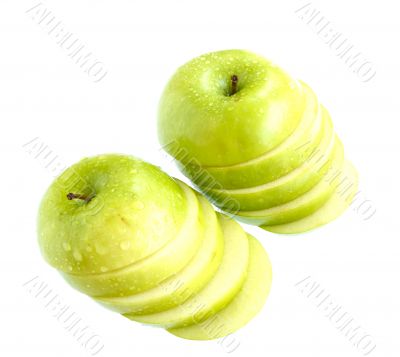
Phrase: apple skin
(151, 271)
(288, 187)
(287, 156)
(185, 283)
(106, 233)
(199, 119)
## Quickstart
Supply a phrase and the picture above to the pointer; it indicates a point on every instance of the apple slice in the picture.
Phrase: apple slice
(149, 272)
(226, 282)
(332, 209)
(184, 284)
(244, 306)
(272, 165)
(288, 187)
(303, 205)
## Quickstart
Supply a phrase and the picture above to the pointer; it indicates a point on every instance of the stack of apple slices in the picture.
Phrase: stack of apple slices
(258, 143)
(151, 248)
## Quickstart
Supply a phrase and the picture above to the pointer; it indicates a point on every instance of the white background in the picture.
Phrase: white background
(44, 94)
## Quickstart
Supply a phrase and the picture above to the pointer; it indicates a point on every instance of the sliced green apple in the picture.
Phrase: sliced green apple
(149, 272)
(95, 215)
(288, 187)
(184, 284)
(227, 107)
(218, 291)
(243, 307)
(333, 208)
(303, 205)
(272, 165)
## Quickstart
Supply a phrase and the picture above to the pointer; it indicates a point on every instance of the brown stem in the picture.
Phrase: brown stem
(234, 84)
(74, 196)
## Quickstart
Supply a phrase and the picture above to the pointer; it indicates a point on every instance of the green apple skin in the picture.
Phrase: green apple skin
(303, 205)
(333, 208)
(243, 307)
(287, 156)
(288, 187)
(179, 287)
(151, 271)
(106, 233)
(223, 286)
(201, 118)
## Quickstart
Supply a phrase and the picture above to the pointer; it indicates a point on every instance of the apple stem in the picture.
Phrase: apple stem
(73, 196)
(234, 84)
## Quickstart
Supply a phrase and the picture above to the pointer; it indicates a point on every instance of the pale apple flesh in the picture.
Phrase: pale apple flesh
(244, 305)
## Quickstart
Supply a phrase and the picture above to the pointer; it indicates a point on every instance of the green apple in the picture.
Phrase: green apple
(228, 107)
(142, 243)
(304, 204)
(243, 307)
(242, 130)
(184, 284)
(148, 273)
(94, 217)
(286, 188)
(219, 290)
(287, 156)
(333, 208)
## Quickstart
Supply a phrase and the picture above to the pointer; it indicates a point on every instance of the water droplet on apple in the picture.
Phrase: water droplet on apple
(100, 249)
(69, 268)
(66, 246)
(125, 245)
(77, 256)
(103, 269)
(88, 249)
